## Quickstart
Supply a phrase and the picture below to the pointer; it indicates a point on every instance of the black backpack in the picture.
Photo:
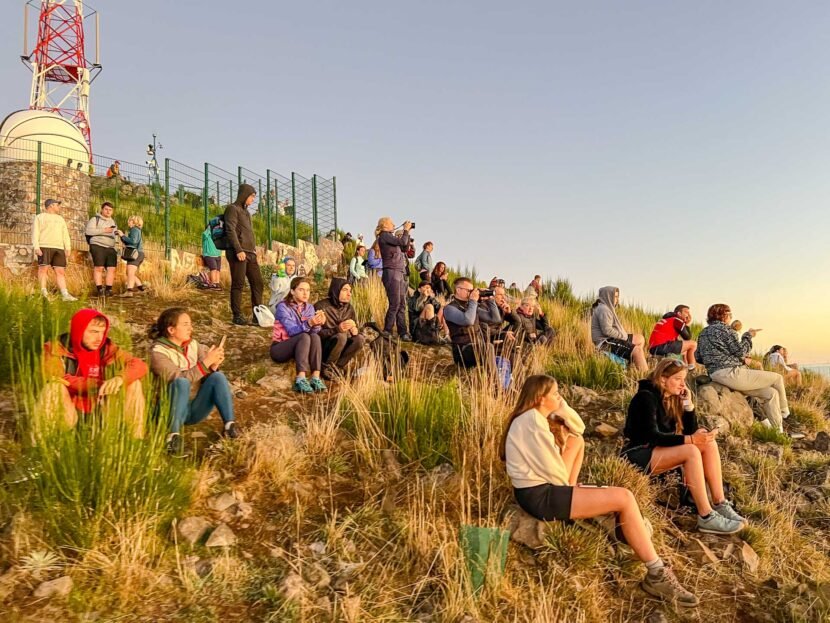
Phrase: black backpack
(218, 233)
(392, 359)
(89, 236)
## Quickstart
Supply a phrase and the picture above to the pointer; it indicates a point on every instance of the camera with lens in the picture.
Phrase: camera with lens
(486, 294)
(412, 225)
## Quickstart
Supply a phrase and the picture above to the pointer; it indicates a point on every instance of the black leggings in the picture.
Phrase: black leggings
(303, 348)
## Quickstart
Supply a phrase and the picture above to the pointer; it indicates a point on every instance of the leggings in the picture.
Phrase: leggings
(303, 348)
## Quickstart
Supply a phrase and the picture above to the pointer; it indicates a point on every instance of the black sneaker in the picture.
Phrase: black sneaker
(240, 320)
(175, 445)
(406, 337)
(230, 431)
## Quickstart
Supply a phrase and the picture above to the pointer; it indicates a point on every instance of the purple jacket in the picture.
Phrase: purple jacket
(294, 318)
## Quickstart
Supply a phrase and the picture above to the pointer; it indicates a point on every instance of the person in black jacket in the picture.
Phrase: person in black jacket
(340, 337)
(662, 434)
(241, 253)
(425, 315)
(392, 249)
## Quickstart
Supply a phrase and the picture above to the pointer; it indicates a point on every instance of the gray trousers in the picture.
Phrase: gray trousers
(395, 283)
(303, 348)
(767, 386)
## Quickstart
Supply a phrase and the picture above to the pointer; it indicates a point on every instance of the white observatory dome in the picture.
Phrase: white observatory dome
(60, 140)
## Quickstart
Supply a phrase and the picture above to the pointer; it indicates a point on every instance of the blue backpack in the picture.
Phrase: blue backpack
(217, 232)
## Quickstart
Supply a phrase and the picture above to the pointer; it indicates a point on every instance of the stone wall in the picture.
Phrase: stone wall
(18, 197)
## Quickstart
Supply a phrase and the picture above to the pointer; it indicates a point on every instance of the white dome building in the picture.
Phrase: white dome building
(61, 141)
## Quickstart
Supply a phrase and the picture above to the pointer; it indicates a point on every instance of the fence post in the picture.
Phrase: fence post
(316, 235)
(267, 204)
(259, 206)
(334, 197)
(294, 208)
(218, 194)
(167, 208)
(39, 180)
(117, 179)
(239, 175)
(206, 201)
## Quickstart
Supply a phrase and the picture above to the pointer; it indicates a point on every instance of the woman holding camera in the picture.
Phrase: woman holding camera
(543, 450)
(297, 336)
(392, 249)
(662, 434)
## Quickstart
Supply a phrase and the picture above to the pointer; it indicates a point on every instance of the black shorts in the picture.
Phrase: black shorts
(56, 258)
(137, 261)
(675, 347)
(103, 257)
(546, 502)
(212, 263)
(620, 348)
(639, 456)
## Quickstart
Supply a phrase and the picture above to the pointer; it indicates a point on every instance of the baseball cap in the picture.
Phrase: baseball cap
(50, 202)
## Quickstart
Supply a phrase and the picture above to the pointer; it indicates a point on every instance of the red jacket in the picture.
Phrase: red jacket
(669, 328)
(61, 360)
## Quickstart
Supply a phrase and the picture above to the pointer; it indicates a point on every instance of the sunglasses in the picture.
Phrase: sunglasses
(677, 362)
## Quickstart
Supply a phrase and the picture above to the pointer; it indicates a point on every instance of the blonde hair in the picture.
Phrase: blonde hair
(381, 222)
(135, 221)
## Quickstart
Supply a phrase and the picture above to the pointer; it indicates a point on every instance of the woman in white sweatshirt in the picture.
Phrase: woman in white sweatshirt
(544, 469)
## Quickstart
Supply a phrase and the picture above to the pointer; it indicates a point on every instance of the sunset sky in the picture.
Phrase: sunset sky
(678, 151)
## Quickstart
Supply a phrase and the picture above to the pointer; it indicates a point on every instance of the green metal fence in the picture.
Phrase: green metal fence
(175, 200)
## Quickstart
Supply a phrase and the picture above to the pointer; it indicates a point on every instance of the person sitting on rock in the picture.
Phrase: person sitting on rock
(543, 449)
(470, 348)
(532, 326)
(357, 265)
(281, 282)
(440, 286)
(297, 336)
(84, 369)
(190, 373)
(672, 335)
(777, 361)
(662, 433)
(727, 362)
(608, 333)
(425, 315)
(339, 336)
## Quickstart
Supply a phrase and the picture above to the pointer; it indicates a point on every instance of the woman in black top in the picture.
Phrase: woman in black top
(439, 281)
(662, 434)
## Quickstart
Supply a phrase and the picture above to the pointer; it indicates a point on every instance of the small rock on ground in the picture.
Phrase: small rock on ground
(223, 536)
(59, 587)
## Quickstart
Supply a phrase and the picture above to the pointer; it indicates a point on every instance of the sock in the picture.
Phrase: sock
(655, 567)
(100, 289)
(141, 288)
(44, 292)
(171, 435)
(705, 517)
(228, 424)
(109, 289)
(64, 291)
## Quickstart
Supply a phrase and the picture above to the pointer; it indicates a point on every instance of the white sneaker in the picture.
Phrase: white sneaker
(68, 297)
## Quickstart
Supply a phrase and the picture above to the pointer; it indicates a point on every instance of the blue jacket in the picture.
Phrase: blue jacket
(134, 238)
(294, 318)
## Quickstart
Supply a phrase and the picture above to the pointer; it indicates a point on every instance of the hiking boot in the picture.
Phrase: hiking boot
(68, 297)
(718, 524)
(406, 337)
(240, 320)
(230, 431)
(175, 445)
(725, 509)
(302, 386)
(665, 585)
(317, 384)
(127, 294)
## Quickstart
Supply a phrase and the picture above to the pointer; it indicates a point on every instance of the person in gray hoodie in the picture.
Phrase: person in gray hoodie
(241, 253)
(608, 333)
(101, 234)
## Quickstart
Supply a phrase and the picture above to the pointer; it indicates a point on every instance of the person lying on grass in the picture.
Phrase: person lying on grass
(85, 369)
(662, 434)
(190, 373)
(297, 336)
(339, 336)
(544, 469)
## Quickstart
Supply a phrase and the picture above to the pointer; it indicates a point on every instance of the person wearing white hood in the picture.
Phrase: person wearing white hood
(608, 333)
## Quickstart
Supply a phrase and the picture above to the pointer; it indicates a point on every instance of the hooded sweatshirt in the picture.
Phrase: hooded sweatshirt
(336, 312)
(604, 320)
(280, 284)
(238, 227)
(83, 370)
(96, 230)
(669, 328)
(647, 422)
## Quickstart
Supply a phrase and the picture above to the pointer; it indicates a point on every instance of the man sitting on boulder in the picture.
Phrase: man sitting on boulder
(84, 368)
(673, 336)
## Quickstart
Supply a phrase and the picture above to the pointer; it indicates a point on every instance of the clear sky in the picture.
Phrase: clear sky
(678, 151)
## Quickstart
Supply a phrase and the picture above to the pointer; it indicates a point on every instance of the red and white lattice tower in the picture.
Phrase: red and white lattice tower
(61, 70)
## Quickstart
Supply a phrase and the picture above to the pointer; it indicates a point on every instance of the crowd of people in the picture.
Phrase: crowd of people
(542, 446)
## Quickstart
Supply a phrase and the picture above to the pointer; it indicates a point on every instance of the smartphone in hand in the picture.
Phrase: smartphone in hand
(222, 341)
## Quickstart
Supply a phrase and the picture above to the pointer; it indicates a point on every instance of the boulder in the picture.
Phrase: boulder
(191, 529)
(606, 430)
(223, 536)
(721, 403)
(59, 587)
(822, 442)
(221, 502)
(276, 383)
(526, 530)
(582, 396)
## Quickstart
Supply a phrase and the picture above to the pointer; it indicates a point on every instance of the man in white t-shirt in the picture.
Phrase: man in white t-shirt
(51, 244)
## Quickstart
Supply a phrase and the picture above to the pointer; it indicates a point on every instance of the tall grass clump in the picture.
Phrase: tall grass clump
(419, 418)
(560, 290)
(369, 300)
(594, 371)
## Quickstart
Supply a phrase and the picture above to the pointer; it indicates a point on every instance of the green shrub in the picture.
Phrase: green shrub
(594, 371)
(808, 416)
(764, 434)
